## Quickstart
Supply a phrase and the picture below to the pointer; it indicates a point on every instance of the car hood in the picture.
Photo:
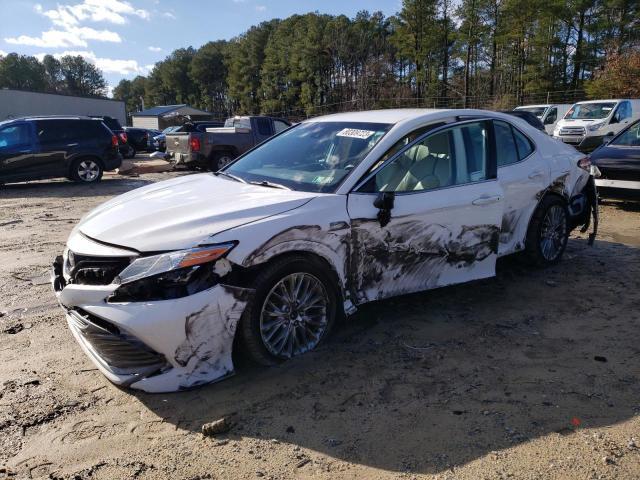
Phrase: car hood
(184, 212)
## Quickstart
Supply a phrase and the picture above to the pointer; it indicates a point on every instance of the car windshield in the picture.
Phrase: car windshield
(312, 157)
(590, 111)
(630, 138)
(537, 111)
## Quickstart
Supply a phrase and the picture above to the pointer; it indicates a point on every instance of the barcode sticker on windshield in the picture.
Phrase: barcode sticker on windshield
(355, 133)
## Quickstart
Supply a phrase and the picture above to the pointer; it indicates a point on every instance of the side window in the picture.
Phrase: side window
(551, 117)
(264, 126)
(506, 150)
(53, 131)
(454, 156)
(14, 136)
(524, 145)
(626, 112)
(630, 138)
(280, 126)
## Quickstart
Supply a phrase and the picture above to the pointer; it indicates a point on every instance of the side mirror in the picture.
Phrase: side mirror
(606, 139)
(384, 202)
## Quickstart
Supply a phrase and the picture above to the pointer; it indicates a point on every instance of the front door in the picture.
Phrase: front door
(444, 224)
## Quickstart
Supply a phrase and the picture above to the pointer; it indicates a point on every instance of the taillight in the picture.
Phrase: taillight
(114, 141)
(194, 143)
(123, 137)
(585, 163)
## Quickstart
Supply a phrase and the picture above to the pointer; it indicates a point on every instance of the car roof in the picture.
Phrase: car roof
(602, 101)
(51, 117)
(536, 105)
(393, 115)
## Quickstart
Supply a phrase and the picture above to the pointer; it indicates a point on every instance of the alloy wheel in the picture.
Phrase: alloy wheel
(88, 170)
(294, 315)
(554, 232)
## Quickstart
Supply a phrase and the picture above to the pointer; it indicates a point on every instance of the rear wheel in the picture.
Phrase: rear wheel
(220, 160)
(548, 232)
(86, 170)
(292, 312)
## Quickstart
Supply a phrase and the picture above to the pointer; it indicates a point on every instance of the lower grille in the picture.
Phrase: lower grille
(118, 352)
(570, 131)
(89, 270)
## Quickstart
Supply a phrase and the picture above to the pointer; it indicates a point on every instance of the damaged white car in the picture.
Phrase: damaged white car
(160, 284)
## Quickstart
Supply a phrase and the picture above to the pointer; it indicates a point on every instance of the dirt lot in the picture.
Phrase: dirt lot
(534, 374)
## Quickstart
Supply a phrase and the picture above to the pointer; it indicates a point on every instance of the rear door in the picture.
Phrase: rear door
(522, 175)
(16, 151)
(445, 222)
(56, 140)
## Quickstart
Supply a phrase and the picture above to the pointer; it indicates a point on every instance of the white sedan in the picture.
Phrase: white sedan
(160, 284)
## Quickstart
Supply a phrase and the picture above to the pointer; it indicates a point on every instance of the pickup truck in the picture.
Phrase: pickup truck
(217, 147)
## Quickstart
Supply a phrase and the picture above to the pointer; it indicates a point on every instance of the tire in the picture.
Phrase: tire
(311, 327)
(219, 160)
(86, 170)
(548, 232)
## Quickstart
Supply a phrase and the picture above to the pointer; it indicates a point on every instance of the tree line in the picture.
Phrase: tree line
(433, 53)
(70, 75)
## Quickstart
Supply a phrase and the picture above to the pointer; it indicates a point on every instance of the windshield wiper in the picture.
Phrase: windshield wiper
(265, 183)
(232, 177)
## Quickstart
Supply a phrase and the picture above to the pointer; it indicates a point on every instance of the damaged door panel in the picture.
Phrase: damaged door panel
(445, 222)
(521, 176)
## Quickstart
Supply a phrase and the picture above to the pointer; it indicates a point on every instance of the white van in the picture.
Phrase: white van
(548, 113)
(587, 123)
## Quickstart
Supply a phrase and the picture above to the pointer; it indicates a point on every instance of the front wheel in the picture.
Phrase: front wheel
(86, 170)
(293, 310)
(548, 232)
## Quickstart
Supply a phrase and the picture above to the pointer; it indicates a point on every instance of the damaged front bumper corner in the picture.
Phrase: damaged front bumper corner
(156, 346)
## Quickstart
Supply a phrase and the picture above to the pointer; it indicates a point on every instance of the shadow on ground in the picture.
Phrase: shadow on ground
(429, 381)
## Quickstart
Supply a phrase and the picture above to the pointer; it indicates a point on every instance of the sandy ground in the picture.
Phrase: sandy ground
(534, 374)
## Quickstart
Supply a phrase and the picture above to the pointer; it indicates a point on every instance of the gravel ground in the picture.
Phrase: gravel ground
(534, 374)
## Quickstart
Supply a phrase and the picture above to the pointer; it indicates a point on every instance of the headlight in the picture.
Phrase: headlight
(170, 275)
(595, 126)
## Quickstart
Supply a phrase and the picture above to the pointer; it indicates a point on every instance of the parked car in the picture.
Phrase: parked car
(217, 147)
(138, 139)
(587, 123)
(159, 141)
(333, 213)
(46, 147)
(125, 149)
(528, 117)
(618, 159)
(549, 114)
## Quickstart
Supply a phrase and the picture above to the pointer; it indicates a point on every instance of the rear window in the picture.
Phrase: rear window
(112, 123)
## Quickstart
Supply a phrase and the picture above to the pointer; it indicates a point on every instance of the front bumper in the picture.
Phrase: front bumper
(582, 142)
(158, 346)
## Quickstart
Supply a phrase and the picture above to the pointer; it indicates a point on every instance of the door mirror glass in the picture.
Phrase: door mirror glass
(551, 117)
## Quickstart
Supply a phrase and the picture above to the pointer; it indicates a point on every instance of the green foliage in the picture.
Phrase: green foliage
(69, 75)
(434, 53)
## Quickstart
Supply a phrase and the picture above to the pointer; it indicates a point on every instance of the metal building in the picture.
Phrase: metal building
(20, 103)
(164, 116)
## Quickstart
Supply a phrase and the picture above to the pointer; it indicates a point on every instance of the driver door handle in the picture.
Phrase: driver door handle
(486, 200)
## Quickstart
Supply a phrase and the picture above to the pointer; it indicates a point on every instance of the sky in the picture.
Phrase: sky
(124, 38)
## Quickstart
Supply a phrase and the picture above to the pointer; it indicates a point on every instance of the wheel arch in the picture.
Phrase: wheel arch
(310, 250)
